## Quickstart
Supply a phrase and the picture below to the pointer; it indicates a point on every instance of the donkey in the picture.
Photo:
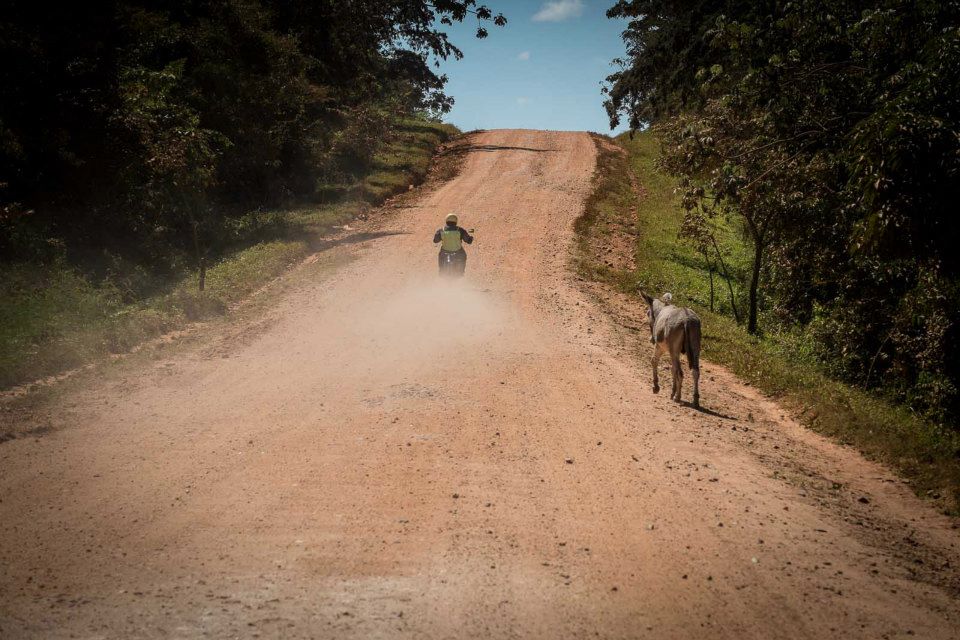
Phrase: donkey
(675, 330)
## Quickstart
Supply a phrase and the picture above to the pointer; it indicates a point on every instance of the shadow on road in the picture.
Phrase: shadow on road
(324, 244)
(470, 148)
(709, 412)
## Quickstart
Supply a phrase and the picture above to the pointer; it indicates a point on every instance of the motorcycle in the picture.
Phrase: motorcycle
(453, 264)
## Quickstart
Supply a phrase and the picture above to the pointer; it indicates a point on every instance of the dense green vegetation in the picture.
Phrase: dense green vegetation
(783, 364)
(135, 133)
(55, 317)
(145, 140)
(826, 133)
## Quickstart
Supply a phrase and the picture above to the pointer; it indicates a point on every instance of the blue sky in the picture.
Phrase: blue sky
(541, 71)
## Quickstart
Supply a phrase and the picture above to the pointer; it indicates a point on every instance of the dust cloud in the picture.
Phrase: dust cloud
(420, 325)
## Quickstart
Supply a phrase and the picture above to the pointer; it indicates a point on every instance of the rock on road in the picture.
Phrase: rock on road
(393, 456)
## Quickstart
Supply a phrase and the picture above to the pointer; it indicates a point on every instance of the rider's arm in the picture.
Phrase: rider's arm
(465, 236)
(436, 237)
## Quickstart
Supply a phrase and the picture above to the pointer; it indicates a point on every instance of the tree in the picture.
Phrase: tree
(137, 129)
(829, 130)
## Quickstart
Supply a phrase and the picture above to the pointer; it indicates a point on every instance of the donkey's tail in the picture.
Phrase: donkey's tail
(691, 340)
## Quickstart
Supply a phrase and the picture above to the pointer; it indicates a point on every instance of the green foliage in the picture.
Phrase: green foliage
(829, 133)
(784, 362)
(53, 317)
(663, 263)
(142, 139)
(134, 131)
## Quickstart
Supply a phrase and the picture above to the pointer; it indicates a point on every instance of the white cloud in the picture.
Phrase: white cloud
(524, 55)
(557, 10)
(523, 101)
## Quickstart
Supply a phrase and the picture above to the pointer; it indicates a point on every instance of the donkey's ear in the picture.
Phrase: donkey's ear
(649, 299)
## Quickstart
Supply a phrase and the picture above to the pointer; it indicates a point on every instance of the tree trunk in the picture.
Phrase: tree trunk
(706, 258)
(726, 275)
(754, 284)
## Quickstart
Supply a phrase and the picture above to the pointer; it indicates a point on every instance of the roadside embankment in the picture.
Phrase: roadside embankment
(629, 238)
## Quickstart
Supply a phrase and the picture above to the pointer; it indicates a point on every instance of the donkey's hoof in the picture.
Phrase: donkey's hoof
(656, 388)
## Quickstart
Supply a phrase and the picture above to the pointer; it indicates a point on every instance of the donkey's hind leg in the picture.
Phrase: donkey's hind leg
(696, 387)
(677, 377)
(692, 344)
(656, 361)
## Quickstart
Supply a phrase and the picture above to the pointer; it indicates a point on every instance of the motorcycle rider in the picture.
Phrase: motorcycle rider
(451, 238)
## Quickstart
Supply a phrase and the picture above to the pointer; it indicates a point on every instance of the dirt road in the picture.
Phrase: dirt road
(386, 456)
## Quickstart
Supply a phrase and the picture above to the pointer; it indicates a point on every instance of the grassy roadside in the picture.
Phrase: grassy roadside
(647, 209)
(52, 319)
